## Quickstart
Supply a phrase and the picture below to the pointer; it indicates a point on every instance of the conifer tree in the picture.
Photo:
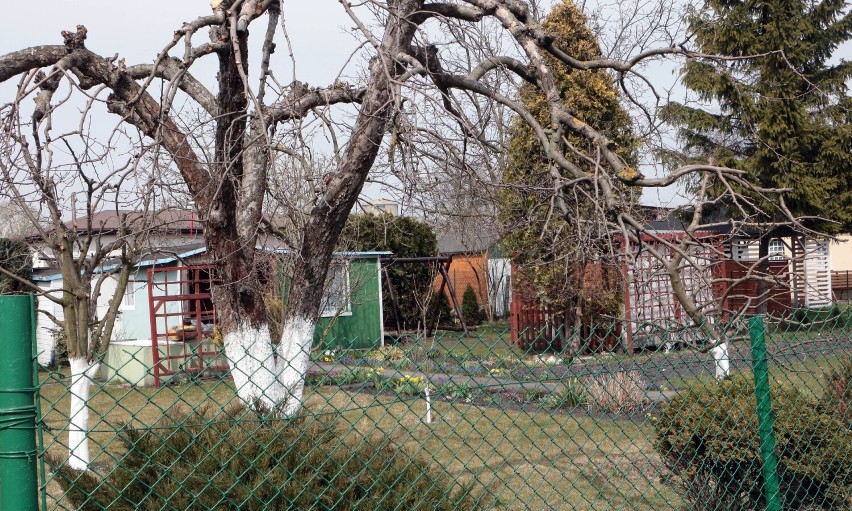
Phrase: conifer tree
(780, 108)
(552, 243)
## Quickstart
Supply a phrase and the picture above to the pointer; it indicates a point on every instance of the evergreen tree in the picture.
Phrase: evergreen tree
(783, 112)
(552, 249)
(470, 307)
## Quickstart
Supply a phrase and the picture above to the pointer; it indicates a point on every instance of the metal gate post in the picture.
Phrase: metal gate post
(18, 454)
(765, 420)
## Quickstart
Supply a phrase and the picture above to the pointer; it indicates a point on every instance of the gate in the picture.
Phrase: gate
(184, 335)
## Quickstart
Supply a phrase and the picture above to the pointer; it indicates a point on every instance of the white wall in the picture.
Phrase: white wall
(841, 253)
(45, 327)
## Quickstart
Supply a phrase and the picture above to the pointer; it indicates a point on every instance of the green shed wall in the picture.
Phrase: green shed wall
(363, 327)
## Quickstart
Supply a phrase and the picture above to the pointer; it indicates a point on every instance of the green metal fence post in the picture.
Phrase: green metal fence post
(18, 455)
(765, 420)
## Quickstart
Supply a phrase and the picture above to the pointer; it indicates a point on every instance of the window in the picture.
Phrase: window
(129, 301)
(335, 299)
(776, 250)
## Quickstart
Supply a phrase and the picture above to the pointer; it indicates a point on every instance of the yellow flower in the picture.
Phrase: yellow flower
(496, 370)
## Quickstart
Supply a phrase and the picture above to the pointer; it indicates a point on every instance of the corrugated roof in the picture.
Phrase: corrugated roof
(467, 242)
(177, 253)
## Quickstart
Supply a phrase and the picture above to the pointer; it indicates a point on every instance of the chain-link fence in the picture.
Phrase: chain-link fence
(473, 422)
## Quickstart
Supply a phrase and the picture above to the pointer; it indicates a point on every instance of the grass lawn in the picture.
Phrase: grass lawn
(808, 377)
(514, 459)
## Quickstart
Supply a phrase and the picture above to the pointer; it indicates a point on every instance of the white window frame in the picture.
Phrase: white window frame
(338, 269)
(776, 250)
(128, 301)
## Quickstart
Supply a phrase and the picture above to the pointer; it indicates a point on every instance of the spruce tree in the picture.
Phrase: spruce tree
(780, 106)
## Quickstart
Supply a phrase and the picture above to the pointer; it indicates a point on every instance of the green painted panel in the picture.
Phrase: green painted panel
(361, 327)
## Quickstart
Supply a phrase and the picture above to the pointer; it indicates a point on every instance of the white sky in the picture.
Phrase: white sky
(321, 34)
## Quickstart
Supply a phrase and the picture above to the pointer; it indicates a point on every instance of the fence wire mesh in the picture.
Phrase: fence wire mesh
(474, 422)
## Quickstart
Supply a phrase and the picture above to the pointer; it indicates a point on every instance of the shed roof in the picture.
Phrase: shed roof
(165, 255)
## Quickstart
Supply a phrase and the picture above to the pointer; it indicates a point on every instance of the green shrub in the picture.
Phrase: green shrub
(708, 438)
(15, 258)
(191, 462)
(837, 398)
(444, 311)
(470, 307)
(822, 318)
(571, 395)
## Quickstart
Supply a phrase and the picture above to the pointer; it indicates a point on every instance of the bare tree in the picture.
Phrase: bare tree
(428, 87)
(87, 219)
(14, 221)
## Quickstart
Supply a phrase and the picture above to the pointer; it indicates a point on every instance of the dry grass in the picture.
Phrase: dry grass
(515, 459)
(621, 392)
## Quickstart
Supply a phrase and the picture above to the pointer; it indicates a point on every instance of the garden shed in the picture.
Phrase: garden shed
(167, 321)
(723, 277)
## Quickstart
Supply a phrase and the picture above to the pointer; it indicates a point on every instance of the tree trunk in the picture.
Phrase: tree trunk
(332, 209)
(82, 374)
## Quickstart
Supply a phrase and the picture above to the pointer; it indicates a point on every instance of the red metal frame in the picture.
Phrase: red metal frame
(184, 302)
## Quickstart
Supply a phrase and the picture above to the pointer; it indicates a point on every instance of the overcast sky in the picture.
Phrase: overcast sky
(319, 29)
(321, 33)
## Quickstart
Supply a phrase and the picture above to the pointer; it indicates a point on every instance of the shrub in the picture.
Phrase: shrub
(393, 355)
(15, 258)
(822, 318)
(444, 311)
(708, 438)
(837, 398)
(470, 307)
(621, 392)
(254, 462)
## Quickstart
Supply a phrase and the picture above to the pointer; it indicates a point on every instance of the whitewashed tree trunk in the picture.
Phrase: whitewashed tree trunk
(722, 360)
(271, 375)
(82, 374)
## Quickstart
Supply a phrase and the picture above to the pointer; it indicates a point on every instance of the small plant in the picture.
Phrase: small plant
(393, 355)
(571, 396)
(496, 371)
(621, 392)
(410, 385)
(470, 307)
(315, 378)
(374, 375)
(453, 391)
(531, 395)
